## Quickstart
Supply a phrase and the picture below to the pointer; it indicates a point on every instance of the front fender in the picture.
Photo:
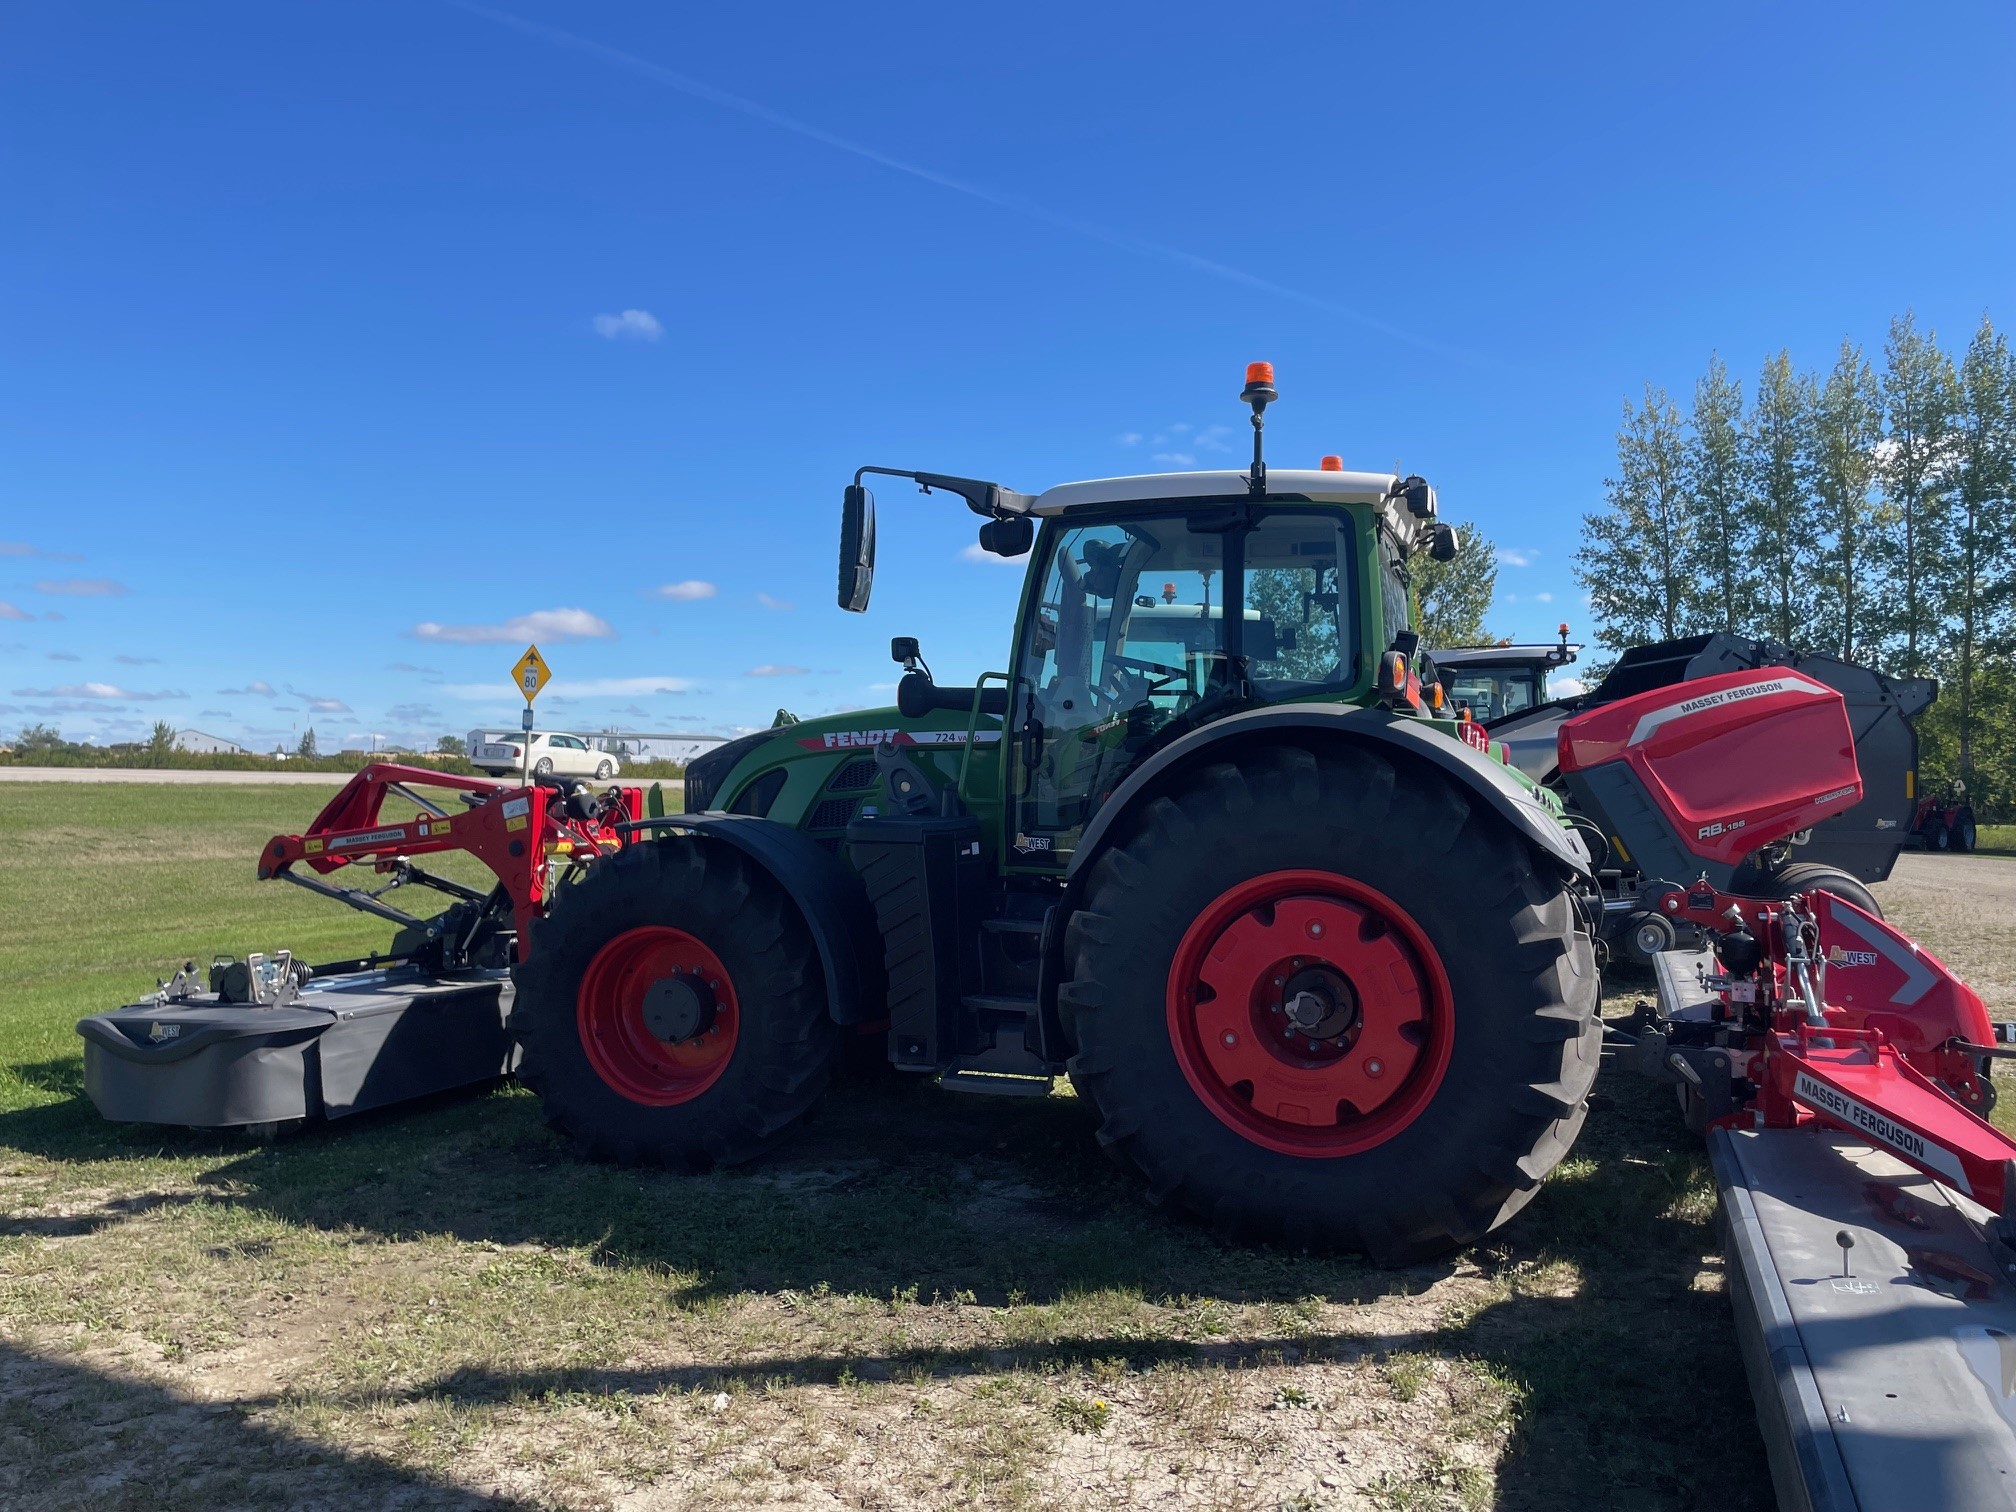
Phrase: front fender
(1486, 779)
(829, 897)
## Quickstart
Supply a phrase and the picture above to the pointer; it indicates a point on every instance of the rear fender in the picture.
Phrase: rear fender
(1486, 779)
(828, 896)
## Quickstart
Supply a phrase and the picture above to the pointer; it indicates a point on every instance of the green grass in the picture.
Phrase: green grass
(924, 1301)
(1996, 837)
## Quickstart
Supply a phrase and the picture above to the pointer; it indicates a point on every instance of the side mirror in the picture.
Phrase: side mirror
(857, 548)
(1011, 537)
(1444, 544)
(1420, 497)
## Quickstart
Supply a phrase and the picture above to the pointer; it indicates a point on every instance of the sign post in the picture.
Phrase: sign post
(529, 674)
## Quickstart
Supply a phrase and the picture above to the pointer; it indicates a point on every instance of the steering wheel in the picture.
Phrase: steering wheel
(1158, 675)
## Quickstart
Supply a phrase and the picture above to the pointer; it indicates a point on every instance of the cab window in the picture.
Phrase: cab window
(1125, 646)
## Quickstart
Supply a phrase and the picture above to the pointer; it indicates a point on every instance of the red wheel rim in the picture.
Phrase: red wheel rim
(1252, 975)
(616, 1012)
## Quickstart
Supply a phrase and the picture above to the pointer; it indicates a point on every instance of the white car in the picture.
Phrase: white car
(551, 754)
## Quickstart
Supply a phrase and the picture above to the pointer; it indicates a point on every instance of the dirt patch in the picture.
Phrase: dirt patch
(1962, 909)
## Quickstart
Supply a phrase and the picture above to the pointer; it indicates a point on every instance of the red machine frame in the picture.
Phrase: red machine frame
(1894, 1053)
(519, 833)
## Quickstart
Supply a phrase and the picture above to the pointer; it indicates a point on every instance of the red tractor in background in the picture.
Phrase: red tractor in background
(1946, 823)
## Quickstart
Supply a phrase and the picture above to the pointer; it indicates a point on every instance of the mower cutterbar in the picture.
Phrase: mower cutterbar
(266, 1047)
(1870, 1208)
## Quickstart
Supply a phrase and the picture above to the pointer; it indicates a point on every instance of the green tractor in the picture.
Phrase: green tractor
(1313, 954)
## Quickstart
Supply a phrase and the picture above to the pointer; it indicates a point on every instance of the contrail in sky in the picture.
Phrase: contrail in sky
(699, 89)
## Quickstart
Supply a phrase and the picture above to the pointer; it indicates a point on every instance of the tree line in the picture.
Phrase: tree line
(1862, 512)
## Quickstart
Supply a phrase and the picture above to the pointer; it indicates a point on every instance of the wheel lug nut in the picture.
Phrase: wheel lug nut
(1280, 981)
(1315, 930)
(1375, 1067)
(1230, 1039)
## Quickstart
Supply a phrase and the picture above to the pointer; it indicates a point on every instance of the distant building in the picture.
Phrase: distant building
(196, 743)
(636, 745)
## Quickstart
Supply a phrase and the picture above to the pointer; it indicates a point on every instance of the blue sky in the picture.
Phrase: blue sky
(344, 346)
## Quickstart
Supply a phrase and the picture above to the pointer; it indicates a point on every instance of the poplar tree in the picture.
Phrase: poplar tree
(1714, 480)
(1980, 553)
(1920, 394)
(1847, 428)
(1777, 450)
(1632, 560)
(1452, 598)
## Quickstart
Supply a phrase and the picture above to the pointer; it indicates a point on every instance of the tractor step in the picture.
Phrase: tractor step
(1013, 926)
(965, 1076)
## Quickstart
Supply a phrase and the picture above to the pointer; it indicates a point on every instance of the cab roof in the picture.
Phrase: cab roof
(1317, 486)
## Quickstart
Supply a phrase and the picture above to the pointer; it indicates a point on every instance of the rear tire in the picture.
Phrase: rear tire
(586, 1015)
(1939, 837)
(1472, 1000)
(543, 767)
(604, 771)
(1965, 834)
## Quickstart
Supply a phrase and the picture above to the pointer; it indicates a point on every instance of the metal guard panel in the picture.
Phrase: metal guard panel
(1490, 780)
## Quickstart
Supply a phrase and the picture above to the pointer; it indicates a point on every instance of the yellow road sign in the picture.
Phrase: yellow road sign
(531, 673)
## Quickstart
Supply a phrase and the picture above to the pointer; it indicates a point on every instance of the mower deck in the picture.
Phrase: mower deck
(1892, 1386)
(351, 1041)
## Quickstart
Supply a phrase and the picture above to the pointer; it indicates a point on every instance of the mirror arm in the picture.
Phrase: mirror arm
(983, 498)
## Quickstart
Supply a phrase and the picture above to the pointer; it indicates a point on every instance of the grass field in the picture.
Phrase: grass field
(925, 1301)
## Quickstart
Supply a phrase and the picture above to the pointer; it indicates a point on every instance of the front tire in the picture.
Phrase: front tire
(604, 771)
(672, 1010)
(1965, 833)
(543, 767)
(1321, 999)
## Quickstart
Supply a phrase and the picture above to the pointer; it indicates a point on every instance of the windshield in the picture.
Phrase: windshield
(1494, 692)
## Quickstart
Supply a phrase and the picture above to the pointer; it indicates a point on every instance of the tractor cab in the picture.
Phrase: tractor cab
(1155, 605)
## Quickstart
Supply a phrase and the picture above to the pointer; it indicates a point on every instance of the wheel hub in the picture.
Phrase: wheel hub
(1319, 1002)
(679, 1008)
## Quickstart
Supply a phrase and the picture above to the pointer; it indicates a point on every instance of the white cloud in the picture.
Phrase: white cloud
(975, 552)
(8, 611)
(1566, 687)
(1176, 459)
(770, 669)
(98, 690)
(1180, 430)
(691, 591)
(138, 661)
(631, 325)
(64, 656)
(82, 587)
(24, 549)
(258, 689)
(586, 687)
(1543, 598)
(1515, 556)
(540, 624)
(323, 705)
(1213, 438)
(1130, 438)
(774, 603)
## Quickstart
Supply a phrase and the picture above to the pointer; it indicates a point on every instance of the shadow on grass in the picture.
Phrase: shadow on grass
(73, 1437)
(896, 1189)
